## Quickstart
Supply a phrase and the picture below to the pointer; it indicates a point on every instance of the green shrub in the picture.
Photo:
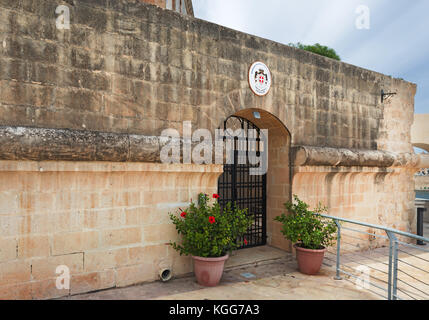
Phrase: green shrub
(307, 228)
(317, 49)
(207, 230)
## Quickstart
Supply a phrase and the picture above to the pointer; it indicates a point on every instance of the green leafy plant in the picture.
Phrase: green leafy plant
(209, 231)
(317, 49)
(307, 228)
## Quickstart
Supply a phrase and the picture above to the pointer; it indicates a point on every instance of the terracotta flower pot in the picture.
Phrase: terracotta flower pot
(309, 261)
(208, 271)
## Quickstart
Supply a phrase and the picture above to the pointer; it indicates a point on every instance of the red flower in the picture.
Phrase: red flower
(183, 215)
(215, 196)
(212, 219)
(245, 242)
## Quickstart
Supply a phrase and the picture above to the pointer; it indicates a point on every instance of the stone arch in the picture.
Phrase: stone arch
(279, 171)
(240, 100)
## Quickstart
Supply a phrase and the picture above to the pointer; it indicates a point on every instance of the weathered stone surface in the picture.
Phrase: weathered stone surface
(40, 144)
(126, 61)
(63, 144)
(316, 156)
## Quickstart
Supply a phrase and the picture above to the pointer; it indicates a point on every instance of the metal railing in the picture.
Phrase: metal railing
(397, 268)
(423, 172)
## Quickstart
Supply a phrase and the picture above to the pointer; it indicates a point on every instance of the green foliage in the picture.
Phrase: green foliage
(307, 228)
(207, 230)
(318, 49)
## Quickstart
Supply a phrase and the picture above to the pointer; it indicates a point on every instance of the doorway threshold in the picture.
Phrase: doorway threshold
(255, 256)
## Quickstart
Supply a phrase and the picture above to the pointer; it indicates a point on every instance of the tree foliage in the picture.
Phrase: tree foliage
(318, 49)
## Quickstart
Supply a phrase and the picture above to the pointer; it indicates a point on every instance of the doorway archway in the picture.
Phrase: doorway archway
(277, 181)
(238, 184)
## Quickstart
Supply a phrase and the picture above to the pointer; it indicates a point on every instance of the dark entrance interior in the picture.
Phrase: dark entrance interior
(237, 185)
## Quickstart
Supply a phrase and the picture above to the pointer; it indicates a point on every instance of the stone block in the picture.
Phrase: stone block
(33, 246)
(121, 237)
(67, 243)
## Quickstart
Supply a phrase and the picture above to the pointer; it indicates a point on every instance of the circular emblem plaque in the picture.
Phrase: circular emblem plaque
(259, 78)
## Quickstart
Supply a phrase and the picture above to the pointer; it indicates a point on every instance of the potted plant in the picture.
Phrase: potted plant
(310, 233)
(208, 234)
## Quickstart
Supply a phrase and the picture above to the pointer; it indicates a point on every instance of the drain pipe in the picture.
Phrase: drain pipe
(165, 274)
(165, 271)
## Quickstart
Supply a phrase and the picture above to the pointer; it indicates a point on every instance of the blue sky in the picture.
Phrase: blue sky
(396, 44)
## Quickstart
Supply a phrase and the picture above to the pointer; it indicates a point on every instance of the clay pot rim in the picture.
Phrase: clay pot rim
(297, 247)
(211, 259)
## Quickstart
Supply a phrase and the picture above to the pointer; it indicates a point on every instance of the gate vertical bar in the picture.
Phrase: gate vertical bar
(264, 210)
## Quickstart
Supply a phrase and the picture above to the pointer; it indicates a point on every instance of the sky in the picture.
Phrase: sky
(396, 43)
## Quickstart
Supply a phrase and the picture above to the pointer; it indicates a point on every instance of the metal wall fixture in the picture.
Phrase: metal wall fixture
(256, 115)
(385, 96)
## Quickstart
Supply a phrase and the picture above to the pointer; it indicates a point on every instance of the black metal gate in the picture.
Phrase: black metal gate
(238, 186)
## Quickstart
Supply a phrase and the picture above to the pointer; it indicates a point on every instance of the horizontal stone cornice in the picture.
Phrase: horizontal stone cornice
(333, 157)
(47, 144)
(41, 144)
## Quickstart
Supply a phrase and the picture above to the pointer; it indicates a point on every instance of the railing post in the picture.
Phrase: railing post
(395, 269)
(338, 276)
(393, 266)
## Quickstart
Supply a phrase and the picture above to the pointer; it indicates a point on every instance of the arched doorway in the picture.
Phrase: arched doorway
(270, 191)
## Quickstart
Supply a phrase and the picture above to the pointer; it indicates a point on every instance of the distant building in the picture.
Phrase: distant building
(181, 6)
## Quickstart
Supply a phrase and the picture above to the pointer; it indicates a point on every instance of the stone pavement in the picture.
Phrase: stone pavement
(271, 276)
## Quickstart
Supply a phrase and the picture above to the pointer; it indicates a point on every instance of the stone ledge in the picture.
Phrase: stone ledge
(48, 144)
(39, 144)
(331, 157)
(354, 169)
(69, 166)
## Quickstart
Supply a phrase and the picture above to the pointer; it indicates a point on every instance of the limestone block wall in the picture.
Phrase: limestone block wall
(377, 188)
(383, 197)
(108, 222)
(129, 67)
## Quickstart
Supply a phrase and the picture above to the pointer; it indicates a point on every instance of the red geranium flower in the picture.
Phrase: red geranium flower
(183, 215)
(212, 219)
(215, 196)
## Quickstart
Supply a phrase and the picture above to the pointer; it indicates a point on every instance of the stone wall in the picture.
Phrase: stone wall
(127, 67)
(108, 222)
(81, 109)
(159, 3)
